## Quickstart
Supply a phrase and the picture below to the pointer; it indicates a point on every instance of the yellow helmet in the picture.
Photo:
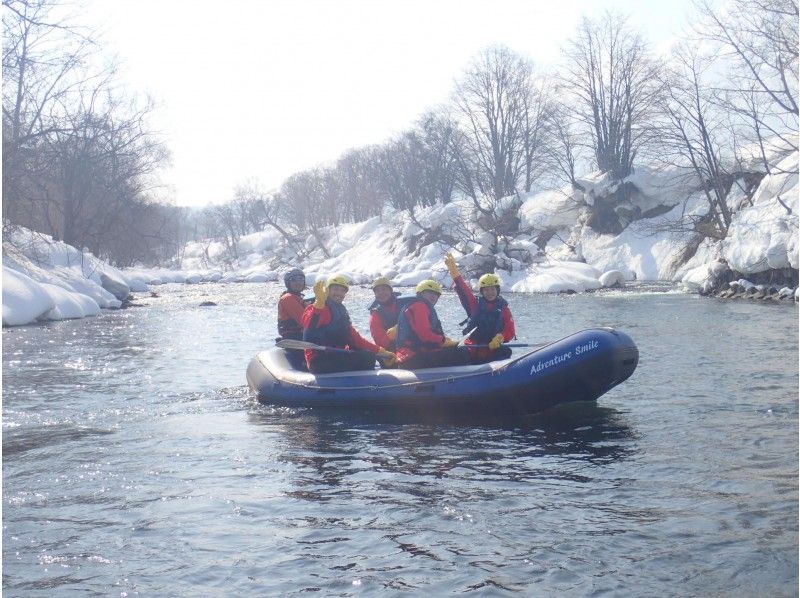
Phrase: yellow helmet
(489, 280)
(380, 281)
(429, 285)
(339, 279)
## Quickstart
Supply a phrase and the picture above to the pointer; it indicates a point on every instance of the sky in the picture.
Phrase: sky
(258, 90)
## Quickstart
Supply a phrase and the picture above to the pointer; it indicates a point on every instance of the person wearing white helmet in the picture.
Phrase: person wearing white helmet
(421, 342)
(326, 322)
(489, 314)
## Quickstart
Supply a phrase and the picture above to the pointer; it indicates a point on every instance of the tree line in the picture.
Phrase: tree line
(80, 160)
(720, 106)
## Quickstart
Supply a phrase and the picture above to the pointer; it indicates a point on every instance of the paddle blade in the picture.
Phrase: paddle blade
(466, 336)
(296, 345)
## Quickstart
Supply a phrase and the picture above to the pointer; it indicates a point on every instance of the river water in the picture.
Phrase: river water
(136, 462)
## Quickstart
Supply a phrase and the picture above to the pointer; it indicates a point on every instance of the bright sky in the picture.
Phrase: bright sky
(263, 89)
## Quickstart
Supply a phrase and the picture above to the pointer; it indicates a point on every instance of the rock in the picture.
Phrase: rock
(786, 293)
(728, 291)
(771, 293)
(212, 304)
(725, 291)
(116, 287)
(128, 302)
(612, 278)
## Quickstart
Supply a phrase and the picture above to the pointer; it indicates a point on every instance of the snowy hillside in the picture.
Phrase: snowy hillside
(554, 248)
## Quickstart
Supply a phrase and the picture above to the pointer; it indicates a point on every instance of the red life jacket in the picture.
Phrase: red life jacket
(288, 327)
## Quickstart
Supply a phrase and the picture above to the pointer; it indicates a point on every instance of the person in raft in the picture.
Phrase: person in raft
(489, 313)
(326, 322)
(421, 343)
(291, 305)
(383, 314)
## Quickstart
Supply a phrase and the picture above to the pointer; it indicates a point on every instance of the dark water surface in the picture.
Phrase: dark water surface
(135, 462)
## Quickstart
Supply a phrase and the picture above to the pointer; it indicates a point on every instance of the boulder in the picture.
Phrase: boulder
(770, 293)
(612, 278)
(119, 289)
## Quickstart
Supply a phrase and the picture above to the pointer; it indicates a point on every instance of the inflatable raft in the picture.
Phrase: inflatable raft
(580, 367)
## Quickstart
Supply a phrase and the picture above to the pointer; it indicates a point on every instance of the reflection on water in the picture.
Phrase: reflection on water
(135, 461)
(327, 450)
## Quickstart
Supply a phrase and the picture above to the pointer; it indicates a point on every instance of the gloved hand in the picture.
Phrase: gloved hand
(496, 341)
(392, 333)
(320, 294)
(450, 262)
(449, 342)
(387, 357)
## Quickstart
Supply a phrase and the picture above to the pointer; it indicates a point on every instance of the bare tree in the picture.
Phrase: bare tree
(402, 168)
(759, 38)
(538, 107)
(105, 157)
(78, 157)
(302, 197)
(493, 97)
(696, 136)
(360, 190)
(564, 147)
(43, 62)
(615, 87)
(439, 137)
(264, 208)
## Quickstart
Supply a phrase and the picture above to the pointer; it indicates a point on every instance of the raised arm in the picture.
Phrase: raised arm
(468, 301)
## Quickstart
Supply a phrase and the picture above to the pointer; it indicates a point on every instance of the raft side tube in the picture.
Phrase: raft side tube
(580, 367)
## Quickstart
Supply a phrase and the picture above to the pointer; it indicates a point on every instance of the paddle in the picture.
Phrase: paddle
(296, 345)
(465, 337)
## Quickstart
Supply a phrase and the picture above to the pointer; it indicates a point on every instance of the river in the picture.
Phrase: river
(136, 462)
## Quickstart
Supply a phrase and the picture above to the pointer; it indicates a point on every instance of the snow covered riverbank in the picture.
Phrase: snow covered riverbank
(558, 242)
(45, 279)
(554, 244)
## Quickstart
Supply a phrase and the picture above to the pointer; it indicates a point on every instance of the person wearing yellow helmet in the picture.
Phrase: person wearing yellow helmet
(383, 314)
(421, 342)
(326, 322)
(489, 314)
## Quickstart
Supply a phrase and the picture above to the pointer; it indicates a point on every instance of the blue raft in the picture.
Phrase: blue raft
(580, 367)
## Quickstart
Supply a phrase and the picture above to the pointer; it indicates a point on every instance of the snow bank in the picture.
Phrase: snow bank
(24, 300)
(764, 236)
(45, 279)
(69, 304)
(557, 277)
(551, 209)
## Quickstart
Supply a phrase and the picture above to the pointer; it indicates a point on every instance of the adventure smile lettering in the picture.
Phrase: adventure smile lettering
(577, 350)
